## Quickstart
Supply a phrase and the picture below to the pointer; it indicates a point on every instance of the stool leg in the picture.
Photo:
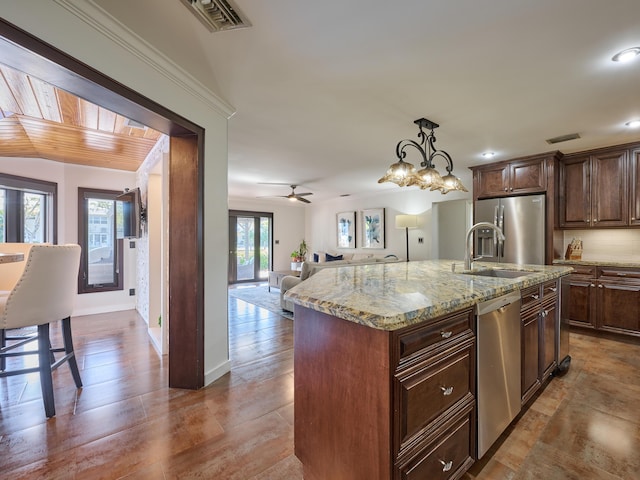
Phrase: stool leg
(68, 350)
(46, 382)
(3, 343)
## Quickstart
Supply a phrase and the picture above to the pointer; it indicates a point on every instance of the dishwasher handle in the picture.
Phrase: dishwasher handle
(497, 303)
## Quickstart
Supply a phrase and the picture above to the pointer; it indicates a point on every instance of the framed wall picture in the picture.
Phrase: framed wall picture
(346, 223)
(373, 228)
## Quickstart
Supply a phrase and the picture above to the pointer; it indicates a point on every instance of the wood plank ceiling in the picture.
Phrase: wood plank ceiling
(38, 120)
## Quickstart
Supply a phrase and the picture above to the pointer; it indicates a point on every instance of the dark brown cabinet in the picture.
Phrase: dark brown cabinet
(581, 305)
(385, 405)
(510, 178)
(605, 298)
(634, 191)
(539, 310)
(618, 300)
(594, 190)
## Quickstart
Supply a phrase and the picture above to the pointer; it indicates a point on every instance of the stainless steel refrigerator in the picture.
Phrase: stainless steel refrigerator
(522, 220)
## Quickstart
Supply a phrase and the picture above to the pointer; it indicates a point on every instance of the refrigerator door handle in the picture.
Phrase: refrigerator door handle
(501, 227)
(495, 236)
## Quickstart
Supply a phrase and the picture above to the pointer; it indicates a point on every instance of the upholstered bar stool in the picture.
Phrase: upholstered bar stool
(36, 292)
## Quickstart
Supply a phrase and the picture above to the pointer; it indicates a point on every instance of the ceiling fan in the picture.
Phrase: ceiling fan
(293, 195)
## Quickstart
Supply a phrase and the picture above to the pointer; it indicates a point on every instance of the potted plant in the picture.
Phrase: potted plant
(298, 256)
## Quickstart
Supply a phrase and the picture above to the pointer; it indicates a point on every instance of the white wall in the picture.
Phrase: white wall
(288, 225)
(69, 177)
(80, 28)
(322, 230)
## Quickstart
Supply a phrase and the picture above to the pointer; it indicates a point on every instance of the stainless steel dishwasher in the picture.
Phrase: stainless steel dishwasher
(499, 360)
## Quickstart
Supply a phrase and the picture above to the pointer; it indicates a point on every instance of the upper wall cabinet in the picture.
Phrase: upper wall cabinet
(526, 175)
(634, 162)
(593, 190)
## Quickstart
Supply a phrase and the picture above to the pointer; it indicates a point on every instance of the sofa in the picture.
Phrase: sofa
(311, 268)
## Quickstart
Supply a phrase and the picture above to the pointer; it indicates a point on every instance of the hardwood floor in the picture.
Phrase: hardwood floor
(126, 423)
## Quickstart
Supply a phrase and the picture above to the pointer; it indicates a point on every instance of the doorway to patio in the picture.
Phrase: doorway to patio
(250, 241)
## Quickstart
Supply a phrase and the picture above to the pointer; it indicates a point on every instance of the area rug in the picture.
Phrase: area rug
(262, 297)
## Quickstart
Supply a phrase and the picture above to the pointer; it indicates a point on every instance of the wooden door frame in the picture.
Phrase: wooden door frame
(186, 306)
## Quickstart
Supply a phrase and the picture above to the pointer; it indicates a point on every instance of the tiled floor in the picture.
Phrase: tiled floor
(125, 422)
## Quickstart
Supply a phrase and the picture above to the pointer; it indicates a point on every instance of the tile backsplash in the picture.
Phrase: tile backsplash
(619, 245)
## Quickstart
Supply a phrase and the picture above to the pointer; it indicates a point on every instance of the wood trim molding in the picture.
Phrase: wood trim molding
(186, 261)
(92, 14)
(186, 280)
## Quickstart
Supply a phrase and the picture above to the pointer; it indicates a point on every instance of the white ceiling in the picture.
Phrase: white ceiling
(324, 90)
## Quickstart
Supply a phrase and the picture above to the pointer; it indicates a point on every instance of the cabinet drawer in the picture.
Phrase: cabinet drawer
(530, 296)
(618, 273)
(448, 328)
(447, 457)
(549, 290)
(583, 270)
(429, 390)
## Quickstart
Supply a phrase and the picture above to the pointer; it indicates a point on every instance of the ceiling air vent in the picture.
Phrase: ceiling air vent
(563, 138)
(217, 15)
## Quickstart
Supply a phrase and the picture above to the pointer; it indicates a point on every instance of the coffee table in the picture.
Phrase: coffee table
(275, 277)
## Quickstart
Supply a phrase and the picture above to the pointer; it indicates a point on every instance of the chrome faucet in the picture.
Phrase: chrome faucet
(468, 253)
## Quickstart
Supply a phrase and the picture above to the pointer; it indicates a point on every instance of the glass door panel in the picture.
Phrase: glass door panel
(265, 250)
(245, 248)
(250, 240)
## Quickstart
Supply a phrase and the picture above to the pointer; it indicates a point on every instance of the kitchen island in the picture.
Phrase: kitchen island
(385, 367)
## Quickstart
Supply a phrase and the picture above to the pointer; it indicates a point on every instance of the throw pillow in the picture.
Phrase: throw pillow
(331, 258)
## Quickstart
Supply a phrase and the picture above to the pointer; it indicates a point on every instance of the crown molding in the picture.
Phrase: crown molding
(110, 27)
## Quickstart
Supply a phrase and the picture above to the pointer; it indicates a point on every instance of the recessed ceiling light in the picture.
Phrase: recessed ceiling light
(489, 154)
(626, 55)
(633, 124)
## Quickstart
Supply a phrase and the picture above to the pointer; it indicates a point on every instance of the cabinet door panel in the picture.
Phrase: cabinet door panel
(609, 201)
(581, 295)
(634, 214)
(618, 306)
(528, 177)
(492, 182)
(575, 193)
(548, 339)
(530, 354)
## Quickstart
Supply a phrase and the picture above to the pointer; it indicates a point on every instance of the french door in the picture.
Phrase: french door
(250, 242)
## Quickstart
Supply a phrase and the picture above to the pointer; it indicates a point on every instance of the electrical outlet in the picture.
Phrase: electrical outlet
(132, 292)
(277, 242)
(420, 240)
(132, 244)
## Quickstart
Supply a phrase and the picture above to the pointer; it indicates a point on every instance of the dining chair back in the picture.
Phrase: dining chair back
(41, 293)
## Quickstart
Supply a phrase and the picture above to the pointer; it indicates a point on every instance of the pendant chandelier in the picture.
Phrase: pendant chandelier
(404, 174)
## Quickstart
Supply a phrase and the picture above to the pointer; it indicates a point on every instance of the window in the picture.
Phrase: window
(27, 210)
(100, 233)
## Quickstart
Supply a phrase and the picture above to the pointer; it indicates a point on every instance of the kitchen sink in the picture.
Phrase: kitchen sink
(500, 273)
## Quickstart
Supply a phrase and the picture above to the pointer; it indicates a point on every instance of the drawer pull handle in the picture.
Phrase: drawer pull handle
(446, 466)
(600, 286)
(592, 285)
(554, 289)
(535, 296)
(446, 391)
(446, 334)
(620, 274)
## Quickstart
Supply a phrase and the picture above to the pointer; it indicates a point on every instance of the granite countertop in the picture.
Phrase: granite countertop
(597, 263)
(390, 296)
